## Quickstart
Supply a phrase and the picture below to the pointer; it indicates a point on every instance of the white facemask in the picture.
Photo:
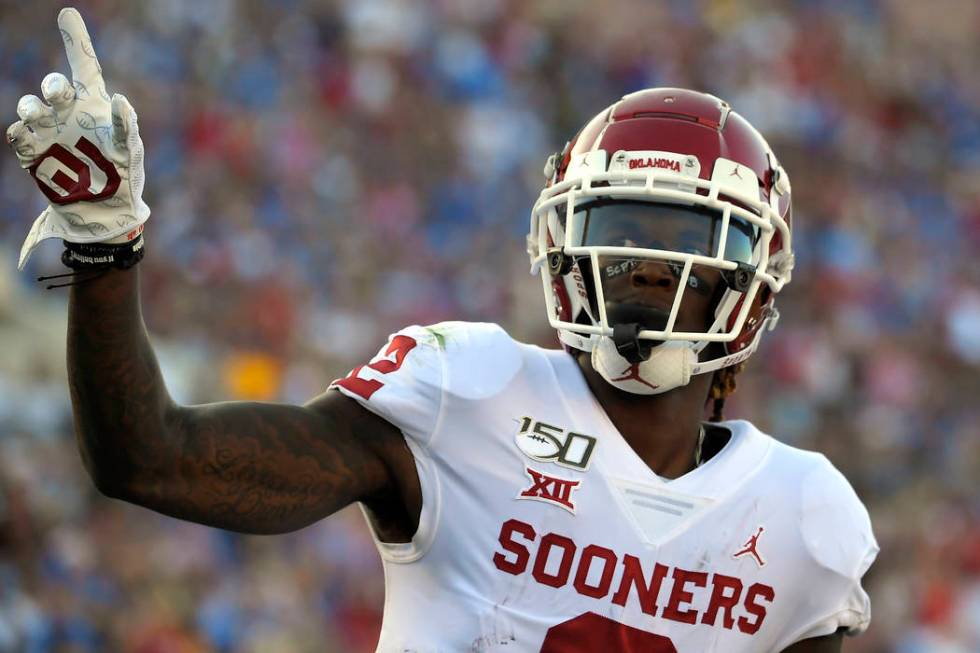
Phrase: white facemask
(669, 366)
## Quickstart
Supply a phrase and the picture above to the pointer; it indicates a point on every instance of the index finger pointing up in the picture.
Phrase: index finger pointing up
(84, 65)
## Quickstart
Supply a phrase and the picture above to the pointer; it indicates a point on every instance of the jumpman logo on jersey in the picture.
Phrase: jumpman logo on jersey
(750, 548)
(632, 373)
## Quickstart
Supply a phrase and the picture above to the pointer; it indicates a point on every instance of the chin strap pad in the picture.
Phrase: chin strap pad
(627, 340)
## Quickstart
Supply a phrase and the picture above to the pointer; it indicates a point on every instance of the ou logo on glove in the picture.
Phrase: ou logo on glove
(76, 190)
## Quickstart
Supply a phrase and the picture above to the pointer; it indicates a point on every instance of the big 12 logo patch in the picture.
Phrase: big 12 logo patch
(549, 443)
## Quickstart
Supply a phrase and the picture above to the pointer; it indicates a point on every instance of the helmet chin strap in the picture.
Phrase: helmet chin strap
(668, 366)
(641, 366)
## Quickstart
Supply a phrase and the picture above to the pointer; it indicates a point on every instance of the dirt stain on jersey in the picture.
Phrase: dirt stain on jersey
(497, 632)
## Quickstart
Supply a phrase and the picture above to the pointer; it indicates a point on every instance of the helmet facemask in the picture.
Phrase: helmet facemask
(603, 232)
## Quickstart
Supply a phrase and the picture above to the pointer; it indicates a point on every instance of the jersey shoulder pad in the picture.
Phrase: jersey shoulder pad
(837, 542)
(480, 358)
(836, 525)
(409, 379)
(402, 383)
(837, 534)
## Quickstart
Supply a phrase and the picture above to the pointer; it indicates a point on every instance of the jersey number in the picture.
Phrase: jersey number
(399, 346)
(593, 632)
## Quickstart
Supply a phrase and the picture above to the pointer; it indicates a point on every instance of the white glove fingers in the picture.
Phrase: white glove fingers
(16, 131)
(57, 91)
(84, 64)
(36, 114)
(121, 114)
(23, 142)
(29, 108)
(95, 191)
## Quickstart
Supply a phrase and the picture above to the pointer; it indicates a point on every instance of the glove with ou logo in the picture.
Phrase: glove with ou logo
(83, 149)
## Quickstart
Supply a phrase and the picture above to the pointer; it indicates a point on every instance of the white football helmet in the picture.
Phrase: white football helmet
(671, 178)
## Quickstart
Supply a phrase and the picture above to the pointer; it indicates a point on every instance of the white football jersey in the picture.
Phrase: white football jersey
(542, 530)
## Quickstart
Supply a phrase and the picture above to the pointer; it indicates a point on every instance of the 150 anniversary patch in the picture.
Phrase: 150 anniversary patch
(549, 443)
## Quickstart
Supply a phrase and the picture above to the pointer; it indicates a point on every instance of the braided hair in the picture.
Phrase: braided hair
(722, 386)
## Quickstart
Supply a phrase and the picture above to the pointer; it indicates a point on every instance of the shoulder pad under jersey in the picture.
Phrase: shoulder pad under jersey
(408, 380)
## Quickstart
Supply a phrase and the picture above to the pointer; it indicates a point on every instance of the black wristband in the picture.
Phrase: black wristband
(89, 256)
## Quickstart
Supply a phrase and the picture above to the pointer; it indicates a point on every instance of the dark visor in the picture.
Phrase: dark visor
(694, 230)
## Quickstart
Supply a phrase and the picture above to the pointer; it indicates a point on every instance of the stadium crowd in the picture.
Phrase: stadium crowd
(324, 173)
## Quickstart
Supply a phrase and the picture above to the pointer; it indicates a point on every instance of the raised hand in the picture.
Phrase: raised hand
(83, 149)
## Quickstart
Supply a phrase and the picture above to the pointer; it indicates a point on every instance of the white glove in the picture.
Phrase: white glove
(83, 150)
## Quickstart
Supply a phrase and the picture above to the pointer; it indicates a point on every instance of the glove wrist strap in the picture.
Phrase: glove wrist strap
(89, 256)
(91, 260)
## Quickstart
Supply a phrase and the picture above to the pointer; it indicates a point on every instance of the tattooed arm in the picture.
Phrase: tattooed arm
(243, 466)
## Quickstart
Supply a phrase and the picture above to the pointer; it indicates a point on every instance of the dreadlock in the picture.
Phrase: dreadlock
(722, 386)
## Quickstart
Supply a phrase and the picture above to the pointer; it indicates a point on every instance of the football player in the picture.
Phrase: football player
(522, 499)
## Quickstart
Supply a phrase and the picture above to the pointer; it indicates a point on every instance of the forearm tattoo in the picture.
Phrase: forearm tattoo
(245, 466)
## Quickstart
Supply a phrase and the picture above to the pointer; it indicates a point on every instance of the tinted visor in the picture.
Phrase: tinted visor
(693, 230)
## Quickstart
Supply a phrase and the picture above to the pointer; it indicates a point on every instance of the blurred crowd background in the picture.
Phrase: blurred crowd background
(324, 173)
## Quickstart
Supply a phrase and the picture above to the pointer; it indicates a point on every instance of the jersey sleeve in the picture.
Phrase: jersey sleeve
(403, 383)
(423, 368)
(412, 383)
(837, 533)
